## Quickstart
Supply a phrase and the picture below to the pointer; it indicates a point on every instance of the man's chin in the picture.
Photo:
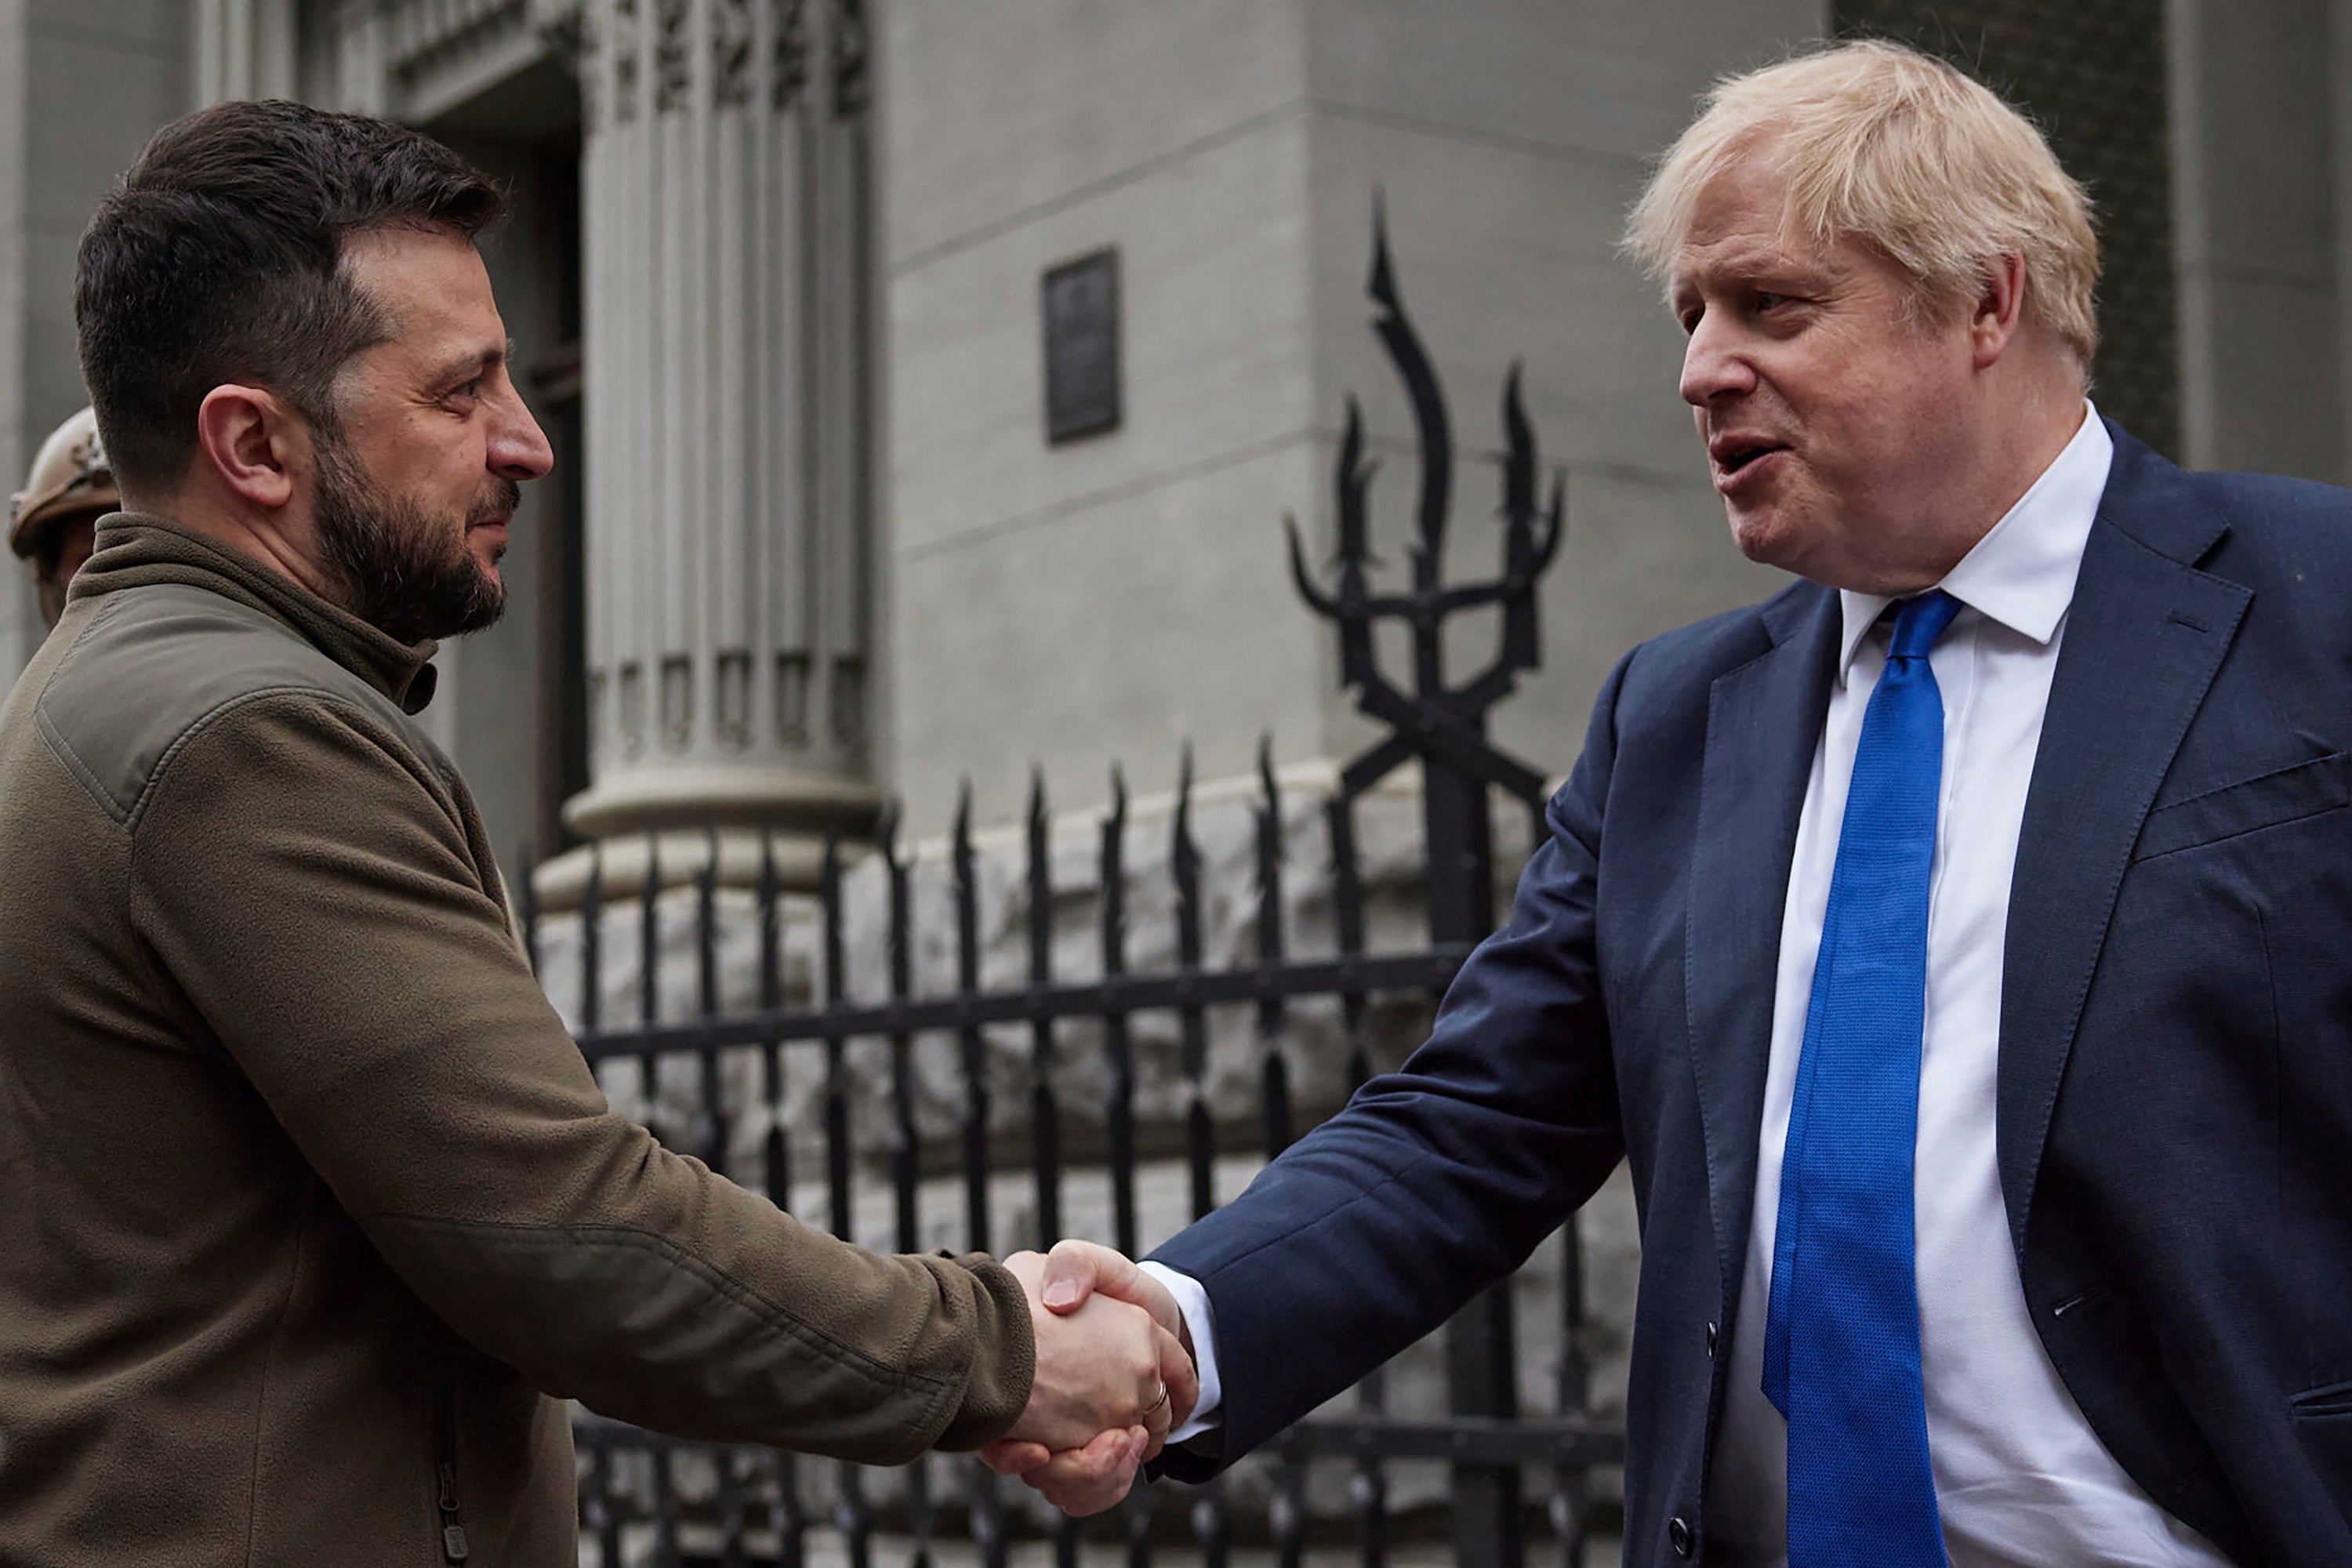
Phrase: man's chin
(1764, 535)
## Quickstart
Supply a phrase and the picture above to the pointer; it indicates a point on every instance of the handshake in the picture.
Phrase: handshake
(1114, 1376)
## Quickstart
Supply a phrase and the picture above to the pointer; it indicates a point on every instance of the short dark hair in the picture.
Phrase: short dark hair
(219, 259)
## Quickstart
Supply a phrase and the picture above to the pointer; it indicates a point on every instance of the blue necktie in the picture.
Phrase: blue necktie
(1842, 1336)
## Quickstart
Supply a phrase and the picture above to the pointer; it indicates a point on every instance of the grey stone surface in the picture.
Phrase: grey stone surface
(82, 86)
(1611, 79)
(1508, 136)
(1144, 620)
(19, 624)
(1216, 339)
(2258, 231)
(1000, 113)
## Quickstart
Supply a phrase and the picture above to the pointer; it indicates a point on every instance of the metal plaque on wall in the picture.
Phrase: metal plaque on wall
(1080, 300)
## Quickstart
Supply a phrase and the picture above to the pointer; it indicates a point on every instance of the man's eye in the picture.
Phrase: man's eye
(1768, 301)
(1689, 320)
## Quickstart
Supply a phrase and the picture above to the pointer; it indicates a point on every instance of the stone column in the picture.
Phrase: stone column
(243, 49)
(725, 210)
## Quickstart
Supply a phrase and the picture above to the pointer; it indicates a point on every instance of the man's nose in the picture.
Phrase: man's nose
(1713, 366)
(518, 448)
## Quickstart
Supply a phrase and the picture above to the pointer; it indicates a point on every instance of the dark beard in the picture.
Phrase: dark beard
(402, 570)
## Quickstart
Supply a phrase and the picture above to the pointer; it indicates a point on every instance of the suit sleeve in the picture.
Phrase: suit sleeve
(311, 893)
(1438, 1180)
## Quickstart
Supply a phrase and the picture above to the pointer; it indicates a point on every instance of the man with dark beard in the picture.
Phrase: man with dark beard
(310, 1213)
(401, 574)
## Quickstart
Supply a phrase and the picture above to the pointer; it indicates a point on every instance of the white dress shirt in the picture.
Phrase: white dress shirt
(2020, 1479)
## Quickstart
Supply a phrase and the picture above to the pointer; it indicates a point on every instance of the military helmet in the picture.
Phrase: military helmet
(70, 478)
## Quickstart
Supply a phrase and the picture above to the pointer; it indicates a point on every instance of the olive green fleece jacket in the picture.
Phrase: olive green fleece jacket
(310, 1213)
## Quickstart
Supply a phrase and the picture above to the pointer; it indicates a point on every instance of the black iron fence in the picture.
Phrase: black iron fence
(1512, 1473)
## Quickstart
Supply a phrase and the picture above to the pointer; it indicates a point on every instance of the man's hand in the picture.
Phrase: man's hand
(1107, 1368)
(1087, 1480)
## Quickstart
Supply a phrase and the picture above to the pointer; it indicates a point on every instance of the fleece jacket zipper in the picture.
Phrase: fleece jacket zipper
(454, 1547)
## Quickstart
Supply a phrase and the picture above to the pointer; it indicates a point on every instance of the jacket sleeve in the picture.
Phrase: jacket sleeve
(306, 883)
(1436, 1180)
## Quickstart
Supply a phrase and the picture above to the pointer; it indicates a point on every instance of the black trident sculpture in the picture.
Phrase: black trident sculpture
(1445, 727)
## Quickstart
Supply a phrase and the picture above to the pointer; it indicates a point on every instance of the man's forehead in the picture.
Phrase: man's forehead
(1705, 257)
(1740, 216)
(420, 273)
(434, 289)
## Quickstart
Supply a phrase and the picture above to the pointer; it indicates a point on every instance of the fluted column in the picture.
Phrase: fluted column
(725, 213)
(242, 48)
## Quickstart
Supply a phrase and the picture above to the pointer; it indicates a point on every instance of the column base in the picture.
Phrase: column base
(719, 795)
(679, 818)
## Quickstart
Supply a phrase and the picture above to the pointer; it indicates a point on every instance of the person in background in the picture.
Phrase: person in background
(52, 519)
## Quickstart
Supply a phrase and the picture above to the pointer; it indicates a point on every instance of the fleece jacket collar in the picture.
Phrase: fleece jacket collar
(138, 549)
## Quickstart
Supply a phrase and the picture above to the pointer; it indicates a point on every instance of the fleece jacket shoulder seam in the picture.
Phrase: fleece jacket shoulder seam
(203, 722)
(63, 749)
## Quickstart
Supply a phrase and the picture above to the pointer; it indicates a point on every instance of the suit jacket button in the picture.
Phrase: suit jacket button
(1710, 1341)
(1679, 1536)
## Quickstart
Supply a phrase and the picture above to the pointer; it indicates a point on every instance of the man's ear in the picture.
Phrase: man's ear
(1999, 308)
(247, 436)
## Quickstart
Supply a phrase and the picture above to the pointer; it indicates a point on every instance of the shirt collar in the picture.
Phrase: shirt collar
(2021, 573)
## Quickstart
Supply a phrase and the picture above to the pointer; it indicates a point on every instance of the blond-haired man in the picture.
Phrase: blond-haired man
(1966, 992)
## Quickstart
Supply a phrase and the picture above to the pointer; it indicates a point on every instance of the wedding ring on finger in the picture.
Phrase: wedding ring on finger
(1159, 1399)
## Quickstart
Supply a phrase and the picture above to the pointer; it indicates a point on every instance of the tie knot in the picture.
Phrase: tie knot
(1919, 622)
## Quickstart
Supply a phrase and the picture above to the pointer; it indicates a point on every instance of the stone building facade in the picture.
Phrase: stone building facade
(777, 282)
(776, 279)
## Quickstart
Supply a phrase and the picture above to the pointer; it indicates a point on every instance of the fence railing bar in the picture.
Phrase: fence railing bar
(1119, 1048)
(973, 1044)
(666, 1518)
(1211, 1515)
(1430, 969)
(987, 1531)
(1287, 1509)
(906, 1147)
(1272, 1011)
(790, 1516)
(649, 982)
(526, 907)
(598, 1517)
(591, 943)
(1475, 1439)
(709, 1137)
(906, 1141)
(837, 1076)
(1184, 864)
(778, 1144)
(1045, 1114)
(731, 1552)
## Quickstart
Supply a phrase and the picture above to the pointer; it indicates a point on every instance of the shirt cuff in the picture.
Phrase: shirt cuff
(1192, 1302)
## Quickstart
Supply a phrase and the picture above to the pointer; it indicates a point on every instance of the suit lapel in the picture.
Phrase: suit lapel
(2143, 638)
(1763, 723)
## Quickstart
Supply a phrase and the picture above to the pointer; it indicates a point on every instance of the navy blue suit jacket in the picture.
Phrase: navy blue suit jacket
(2175, 1090)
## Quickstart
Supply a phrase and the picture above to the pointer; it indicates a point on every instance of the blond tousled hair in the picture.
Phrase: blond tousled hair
(1889, 146)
